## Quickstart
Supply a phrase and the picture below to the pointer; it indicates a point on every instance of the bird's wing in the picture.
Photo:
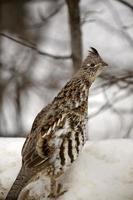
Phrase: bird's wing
(44, 142)
(51, 131)
(38, 148)
(29, 154)
(61, 135)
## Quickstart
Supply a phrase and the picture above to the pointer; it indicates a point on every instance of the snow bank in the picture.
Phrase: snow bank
(10, 162)
(103, 171)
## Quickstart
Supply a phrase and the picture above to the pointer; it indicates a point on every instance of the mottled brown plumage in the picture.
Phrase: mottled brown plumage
(58, 132)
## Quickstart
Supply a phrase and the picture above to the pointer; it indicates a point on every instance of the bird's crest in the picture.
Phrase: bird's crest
(93, 51)
(93, 58)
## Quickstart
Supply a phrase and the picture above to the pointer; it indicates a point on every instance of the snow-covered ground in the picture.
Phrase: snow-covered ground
(103, 171)
(10, 162)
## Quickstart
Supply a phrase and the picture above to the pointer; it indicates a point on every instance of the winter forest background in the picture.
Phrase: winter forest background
(43, 43)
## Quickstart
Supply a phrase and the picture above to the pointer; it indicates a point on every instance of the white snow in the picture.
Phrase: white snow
(10, 162)
(103, 171)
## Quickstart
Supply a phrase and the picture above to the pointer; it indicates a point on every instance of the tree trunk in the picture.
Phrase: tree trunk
(75, 31)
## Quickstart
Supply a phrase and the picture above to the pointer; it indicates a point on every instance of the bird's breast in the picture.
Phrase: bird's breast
(68, 142)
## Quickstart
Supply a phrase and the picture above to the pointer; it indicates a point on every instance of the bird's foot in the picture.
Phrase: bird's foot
(59, 192)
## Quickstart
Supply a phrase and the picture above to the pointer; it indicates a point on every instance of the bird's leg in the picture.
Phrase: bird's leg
(53, 189)
(60, 190)
(56, 189)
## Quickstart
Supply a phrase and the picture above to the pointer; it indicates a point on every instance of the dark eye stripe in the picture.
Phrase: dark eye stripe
(92, 64)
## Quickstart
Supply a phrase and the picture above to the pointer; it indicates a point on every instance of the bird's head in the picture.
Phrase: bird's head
(93, 65)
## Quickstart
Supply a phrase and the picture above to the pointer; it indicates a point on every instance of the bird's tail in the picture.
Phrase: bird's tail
(18, 184)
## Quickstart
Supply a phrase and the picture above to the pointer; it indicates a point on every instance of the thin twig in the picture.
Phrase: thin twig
(32, 46)
(126, 3)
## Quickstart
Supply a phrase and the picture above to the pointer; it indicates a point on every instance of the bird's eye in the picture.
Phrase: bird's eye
(92, 64)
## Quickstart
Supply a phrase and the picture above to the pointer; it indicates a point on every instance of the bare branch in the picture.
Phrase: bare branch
(24, 1)
(107, 105)
(126, 3)
(45, 19)
(32, 46)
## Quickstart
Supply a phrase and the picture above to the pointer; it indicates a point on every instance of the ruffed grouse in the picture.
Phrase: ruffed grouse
(58, 132)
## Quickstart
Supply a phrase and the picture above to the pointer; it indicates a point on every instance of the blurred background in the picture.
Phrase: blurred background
(42, 44)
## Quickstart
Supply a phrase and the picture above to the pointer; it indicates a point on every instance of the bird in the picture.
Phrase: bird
(58, 133)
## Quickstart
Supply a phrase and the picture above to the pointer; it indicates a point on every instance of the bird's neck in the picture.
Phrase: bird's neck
(74, 95)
